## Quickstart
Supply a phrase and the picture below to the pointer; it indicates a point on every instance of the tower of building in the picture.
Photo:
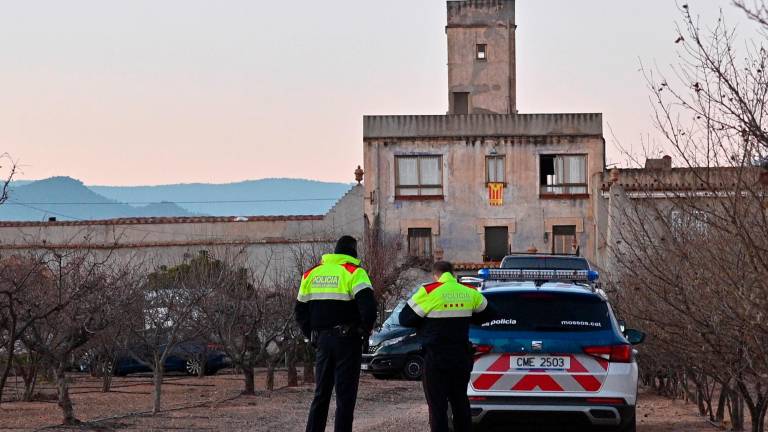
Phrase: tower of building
(481, 57)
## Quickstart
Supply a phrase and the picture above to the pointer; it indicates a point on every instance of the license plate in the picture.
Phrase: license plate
(364, 367)
(540, 362)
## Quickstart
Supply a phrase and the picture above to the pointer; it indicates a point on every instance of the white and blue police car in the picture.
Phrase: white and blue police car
(555, 355)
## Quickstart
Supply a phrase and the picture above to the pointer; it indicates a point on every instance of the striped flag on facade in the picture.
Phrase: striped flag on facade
(496, 193)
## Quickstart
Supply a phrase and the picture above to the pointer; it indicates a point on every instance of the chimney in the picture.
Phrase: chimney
(664, 164)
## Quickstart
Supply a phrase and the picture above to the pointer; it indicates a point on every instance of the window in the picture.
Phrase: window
(496, 243)
(420, 242)
(460, 103)
(419, 176)
(495, 170)
(544, 312)
(563, 174)
(564, 239)
(482, 52)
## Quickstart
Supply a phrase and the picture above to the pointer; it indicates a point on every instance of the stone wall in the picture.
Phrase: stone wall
(158, 241)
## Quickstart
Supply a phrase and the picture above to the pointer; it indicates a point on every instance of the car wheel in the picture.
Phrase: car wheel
(193, 366)
(414, 368)
(630, 426)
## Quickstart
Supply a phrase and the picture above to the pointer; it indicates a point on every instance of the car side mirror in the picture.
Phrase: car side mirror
(635, 337)
(622, 326)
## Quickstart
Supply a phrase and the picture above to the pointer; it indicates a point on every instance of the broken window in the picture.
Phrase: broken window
(420, 242)
(495, 169)
(564, 239)
(496, 243)
(460, 103)
(482, 52)
(563, 174)
(419, 176)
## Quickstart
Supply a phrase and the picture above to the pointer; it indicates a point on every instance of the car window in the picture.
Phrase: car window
(547, 311)
(394, 318)
(545, 263)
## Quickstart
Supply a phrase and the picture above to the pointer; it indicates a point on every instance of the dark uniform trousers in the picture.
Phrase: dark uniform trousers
(337, 364)
(446, 375)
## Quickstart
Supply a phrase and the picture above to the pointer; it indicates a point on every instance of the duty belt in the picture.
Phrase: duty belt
(339, 330)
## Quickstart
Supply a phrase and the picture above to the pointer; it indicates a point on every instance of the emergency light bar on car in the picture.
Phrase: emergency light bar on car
(538, 275)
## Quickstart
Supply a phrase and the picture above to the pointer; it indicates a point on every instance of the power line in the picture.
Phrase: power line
(10, 202)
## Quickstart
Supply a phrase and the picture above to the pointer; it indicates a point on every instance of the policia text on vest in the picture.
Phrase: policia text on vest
(443, 311)
(336, 309)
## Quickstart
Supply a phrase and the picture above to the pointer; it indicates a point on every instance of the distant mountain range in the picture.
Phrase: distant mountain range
(69, 199)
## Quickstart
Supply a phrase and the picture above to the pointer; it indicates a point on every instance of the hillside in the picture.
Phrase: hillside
(252, 198)
(68, 199)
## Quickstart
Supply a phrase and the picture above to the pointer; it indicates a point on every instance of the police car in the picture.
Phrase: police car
(554, 356)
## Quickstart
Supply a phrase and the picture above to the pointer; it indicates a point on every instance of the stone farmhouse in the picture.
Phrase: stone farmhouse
(484, 180)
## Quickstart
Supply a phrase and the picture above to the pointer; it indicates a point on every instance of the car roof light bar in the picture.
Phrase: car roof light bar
(538, 275)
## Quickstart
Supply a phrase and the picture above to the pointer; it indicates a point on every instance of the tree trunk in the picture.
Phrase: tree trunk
(737, 411)
(309, 366)
(106, 381)
(250, 384)
(293, 373)
(10, 349)
(65, 403)
(203, 365)
(270, 376)
(758, 419)
(6, 371)
(157, 378)
(29, 376)
(720, 413)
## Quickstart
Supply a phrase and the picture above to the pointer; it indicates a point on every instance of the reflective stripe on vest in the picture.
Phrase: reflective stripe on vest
(447, 298)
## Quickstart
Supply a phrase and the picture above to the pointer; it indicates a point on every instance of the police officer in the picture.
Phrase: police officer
(442, 311)
(336, 309)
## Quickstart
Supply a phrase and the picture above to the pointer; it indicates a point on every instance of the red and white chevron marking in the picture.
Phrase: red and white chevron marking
(493, 372)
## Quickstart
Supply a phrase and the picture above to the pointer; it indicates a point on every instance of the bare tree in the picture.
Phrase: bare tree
(10, 167)
(84, 291)
(234, 317)
(692, 267)
(385, 263)
(162, 311)
(18, 276)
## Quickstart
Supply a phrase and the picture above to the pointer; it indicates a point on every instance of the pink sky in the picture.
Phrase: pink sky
(148, 92)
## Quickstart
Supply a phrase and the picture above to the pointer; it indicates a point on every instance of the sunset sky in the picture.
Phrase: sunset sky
(148, 92)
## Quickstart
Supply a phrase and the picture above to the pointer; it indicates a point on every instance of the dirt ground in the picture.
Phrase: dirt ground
(213, 403)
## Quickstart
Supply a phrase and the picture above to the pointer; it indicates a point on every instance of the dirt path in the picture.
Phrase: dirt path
(382, 406)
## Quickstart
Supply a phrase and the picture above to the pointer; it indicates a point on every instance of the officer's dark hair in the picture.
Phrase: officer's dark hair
(347, 245)
(441, 267)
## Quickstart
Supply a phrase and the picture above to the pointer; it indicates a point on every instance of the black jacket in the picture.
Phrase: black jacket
(355, 307)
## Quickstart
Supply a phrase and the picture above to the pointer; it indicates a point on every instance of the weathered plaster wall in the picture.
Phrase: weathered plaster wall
(491, 83)
(458, 221)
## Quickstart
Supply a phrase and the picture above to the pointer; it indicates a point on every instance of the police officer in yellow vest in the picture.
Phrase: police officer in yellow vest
(443, 311)
(336, 309)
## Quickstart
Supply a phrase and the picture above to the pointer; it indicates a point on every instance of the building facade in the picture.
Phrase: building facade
(483, 180)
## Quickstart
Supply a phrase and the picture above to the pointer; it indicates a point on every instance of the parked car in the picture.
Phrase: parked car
(394, 351)
(554, 355)
(185, 357)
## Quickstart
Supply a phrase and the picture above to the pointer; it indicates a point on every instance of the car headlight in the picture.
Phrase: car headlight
(389, 342)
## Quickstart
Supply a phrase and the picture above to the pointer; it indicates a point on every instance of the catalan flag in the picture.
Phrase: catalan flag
(496, 193)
